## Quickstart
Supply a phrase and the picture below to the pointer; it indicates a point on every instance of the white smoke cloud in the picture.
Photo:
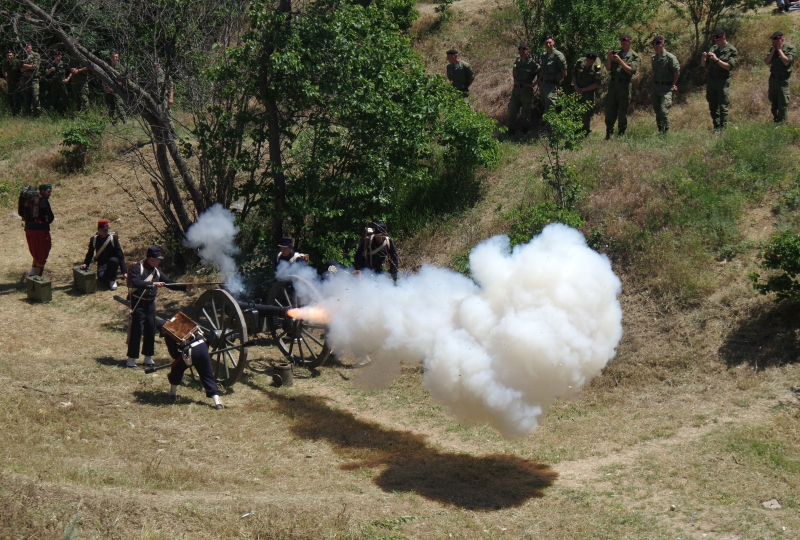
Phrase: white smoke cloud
(214, 233)
(536, 324)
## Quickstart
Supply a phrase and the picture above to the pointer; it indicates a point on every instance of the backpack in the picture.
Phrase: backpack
(28, 204)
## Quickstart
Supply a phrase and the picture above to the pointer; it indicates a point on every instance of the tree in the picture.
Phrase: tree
(581, 25)
(782, 254)
(705, 16)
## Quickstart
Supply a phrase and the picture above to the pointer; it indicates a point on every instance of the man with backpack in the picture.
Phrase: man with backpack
(34, 209)
(375, 249)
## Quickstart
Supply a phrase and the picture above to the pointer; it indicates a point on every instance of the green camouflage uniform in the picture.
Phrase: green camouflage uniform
(779, 83)
(553, 65)
(79, 82)
(116, 108)
(30, 84)
(587, 76)
(618, 98)
(12, 69)
(460, 76)
(59, 99)
(663, 70)
(521, 96)
(718, 85)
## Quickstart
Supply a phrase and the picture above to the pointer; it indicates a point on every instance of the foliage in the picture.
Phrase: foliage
(442, 8)
(563, 133)
(581, 25)
(528, 222)
(781, 254)
(705, 16)
(81, 136)
(322, 143)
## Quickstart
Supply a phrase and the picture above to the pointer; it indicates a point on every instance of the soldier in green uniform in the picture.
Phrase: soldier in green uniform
(780, 59)
(31, 71)
(719, 61)
(552, 71)
(666, 70)
(79, 83)
(116, 108)
(459, 73)
(586, 80)
(11, 72)
(56, 74)
(524, 73)
(622, 65)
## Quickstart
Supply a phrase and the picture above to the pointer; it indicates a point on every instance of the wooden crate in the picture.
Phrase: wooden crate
(85, 280)
(39, 289)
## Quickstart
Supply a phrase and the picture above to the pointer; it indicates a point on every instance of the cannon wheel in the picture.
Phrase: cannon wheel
(301, 342)
(222, 321)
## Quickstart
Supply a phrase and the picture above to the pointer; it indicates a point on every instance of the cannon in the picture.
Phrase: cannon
(228, 324)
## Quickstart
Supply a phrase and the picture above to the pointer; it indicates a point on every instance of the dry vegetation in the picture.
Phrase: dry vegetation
(698, 410)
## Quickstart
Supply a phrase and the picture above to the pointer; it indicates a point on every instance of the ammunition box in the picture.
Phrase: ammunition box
(85, 280)
(39, 289)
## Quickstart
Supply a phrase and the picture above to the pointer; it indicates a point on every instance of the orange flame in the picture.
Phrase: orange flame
(314, 315)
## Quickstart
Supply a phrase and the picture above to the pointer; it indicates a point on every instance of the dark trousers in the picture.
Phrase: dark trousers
(201, 362)
(143, 323)
(108, 270)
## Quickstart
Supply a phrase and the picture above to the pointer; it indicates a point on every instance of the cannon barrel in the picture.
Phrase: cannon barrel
(265, 310)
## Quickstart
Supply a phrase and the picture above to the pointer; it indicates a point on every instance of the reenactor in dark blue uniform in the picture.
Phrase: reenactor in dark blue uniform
(375, 249)
(287, 252)
(184, 355)
(145, 280)
(104, 249)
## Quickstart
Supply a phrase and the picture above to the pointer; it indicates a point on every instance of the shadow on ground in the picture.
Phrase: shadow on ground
(769, 337)
(408, 464)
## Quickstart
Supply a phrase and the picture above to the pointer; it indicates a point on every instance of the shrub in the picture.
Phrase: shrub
(81, 136)
(782, 254)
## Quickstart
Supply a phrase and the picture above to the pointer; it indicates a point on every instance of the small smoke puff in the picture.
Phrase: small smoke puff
(214, 234)
(537, 323)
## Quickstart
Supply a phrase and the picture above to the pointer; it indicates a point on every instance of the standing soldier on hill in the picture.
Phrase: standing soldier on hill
(79, 82)
(31, 64)
(666, 70)
(585, 81)
(145, 280)
(116, 109)
(56, 74)
(375, 249)
(552, 71)
(104, 249)
(780, 59)
(622, 65)
(11, 72)
(459, 73)
(719, 61)
(524, 73)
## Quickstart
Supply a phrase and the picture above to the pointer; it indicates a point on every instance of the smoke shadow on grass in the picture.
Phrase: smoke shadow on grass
(409, 464)
(770, 337)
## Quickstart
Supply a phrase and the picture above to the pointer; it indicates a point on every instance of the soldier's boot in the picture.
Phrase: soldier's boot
(130, 363)
(610, 133)
(148, 361)
(723, 121)
(217, 403)
(173, 392)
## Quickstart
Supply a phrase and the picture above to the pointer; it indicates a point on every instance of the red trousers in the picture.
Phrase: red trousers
(39, 245)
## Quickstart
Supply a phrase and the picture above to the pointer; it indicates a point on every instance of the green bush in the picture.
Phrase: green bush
(781, 254)
(528, 222)
(81, 136)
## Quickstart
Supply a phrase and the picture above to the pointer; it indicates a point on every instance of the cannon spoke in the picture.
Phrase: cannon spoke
(300, 342)
(223, 324)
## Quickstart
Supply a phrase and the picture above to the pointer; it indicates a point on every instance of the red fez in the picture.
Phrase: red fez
(102, 224)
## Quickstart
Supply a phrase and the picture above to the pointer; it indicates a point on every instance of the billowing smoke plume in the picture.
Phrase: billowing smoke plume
(537, 323)
(214, 233)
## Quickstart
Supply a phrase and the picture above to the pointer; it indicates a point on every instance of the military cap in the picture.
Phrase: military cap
(523, 45)
(626, 37)
(777, 34)
(154, 252)
(45, 186)
(10, 51)
(591, 54)
(452, 51)
(286, 241)
(546, 37)
(718, 32)
(380, 227)
(102, 224)
(658, 39)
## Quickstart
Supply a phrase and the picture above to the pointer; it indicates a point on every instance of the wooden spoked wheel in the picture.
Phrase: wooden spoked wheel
(301, 342)
(223, 324)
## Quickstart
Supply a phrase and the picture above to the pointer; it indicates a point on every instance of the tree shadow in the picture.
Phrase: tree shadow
(409, 464)
(770, 337)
